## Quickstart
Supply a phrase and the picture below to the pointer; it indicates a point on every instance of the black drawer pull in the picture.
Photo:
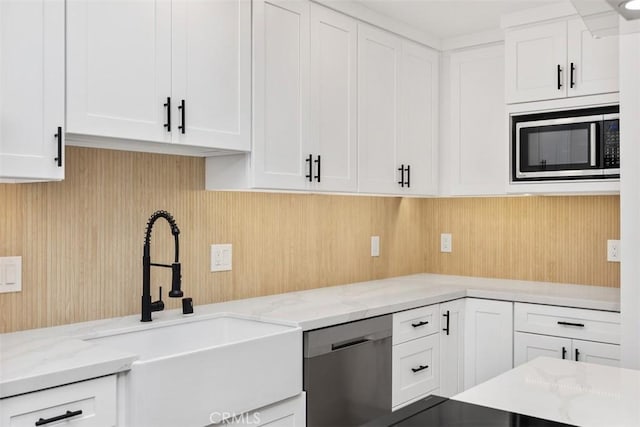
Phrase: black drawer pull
(58, 135)
(580, 325)
(417, 325)
(564, 353)
(69, 414)
(559, 71)
(318, 163)
(335, 347)
(401, 170)
(309, 161)
(183, 109)
(420, 368)
(577, 355)
(167, 105)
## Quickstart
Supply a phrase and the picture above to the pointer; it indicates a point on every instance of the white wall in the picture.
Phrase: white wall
(630, 196)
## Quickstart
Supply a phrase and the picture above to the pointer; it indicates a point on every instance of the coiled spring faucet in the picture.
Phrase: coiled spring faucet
(147, 306)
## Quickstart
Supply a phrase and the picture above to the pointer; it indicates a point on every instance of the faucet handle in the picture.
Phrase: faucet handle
(158, 305)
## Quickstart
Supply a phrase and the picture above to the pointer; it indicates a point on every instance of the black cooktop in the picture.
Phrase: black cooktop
(440, 411)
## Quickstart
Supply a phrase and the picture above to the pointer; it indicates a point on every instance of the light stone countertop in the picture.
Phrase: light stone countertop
(576, 393)
(41, 358)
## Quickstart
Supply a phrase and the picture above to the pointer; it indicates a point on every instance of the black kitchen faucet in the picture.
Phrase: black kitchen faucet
(147, 306)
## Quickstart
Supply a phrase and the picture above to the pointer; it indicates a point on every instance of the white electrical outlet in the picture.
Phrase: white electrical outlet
(446, 243)
(375, 245)
(613, 250)
(221, 257)
(11, 274)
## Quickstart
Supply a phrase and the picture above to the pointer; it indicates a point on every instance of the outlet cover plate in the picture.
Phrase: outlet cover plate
(11, 274)
(221, 257)
(375, 245)
(446, 242)
(613, 250)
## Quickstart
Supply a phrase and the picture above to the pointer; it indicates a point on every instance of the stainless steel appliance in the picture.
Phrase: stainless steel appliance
(347, 372)
(576, 144)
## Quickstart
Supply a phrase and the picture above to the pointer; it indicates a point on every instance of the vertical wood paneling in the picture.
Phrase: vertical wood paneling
(81, 239)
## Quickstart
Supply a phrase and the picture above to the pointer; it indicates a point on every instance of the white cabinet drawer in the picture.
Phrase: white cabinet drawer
(93, 401)
(416, 323)
(568, 322)
(415, 368)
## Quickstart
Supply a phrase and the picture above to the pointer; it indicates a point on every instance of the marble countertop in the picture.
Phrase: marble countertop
(40, 358)
(570, 392)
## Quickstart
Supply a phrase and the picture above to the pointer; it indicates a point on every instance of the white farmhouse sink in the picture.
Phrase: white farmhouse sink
(198, 372)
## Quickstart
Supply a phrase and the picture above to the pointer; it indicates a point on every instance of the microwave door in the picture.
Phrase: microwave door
(558, 148)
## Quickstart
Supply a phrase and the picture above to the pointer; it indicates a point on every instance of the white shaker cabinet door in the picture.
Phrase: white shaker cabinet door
(32, 90)
(488, 349)
(333, 125)
(418, 122)
(527, 347)
(119, 69)
(536, 62)
(592, 62)
(211, 73)
(596, 352)
(452, 347)
(475, 145)
(281, 94)
(379, 56)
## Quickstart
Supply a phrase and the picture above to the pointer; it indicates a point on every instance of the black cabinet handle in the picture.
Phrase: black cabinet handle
(182, 109)
(577, 355)
(58, 136)
(417, 325)
(69, 414)
(572, 82)
(167, 105)
(309, 161)
(579, 325)
(408, 176)
(559, 69)
(446, 328)
(318, 163)
(420, 368)
(358, 341)
(564, 353)
(401, 170)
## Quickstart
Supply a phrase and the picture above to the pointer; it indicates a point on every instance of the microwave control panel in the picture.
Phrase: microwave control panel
(611, 140)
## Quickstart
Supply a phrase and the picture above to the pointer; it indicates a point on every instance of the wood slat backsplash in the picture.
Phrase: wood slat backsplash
(81, 239)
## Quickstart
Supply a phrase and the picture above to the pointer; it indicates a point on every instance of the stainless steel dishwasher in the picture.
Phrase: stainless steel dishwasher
(347, 372)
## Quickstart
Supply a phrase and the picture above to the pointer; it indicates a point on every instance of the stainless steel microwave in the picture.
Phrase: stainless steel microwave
(576, 144)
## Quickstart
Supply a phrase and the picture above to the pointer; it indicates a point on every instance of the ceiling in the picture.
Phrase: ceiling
(451, 18)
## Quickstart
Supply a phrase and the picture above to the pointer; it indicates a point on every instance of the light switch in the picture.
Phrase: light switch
(11, 274)
(221, 257)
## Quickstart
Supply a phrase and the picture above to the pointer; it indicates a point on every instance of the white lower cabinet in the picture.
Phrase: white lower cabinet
(89, 403)
(452, 347)
(415, 369)
(566, 333)
(488, 349)
(287, 413)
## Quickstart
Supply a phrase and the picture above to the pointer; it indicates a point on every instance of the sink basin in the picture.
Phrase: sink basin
(203, 371)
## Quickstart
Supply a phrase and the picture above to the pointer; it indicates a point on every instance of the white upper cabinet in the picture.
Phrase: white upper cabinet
(594, 61)
(32, 90)
(559, 59)
(211, 72)
(333, 119)
(160, 71)
(379, 56)
(281, 95)
(536, 62)
(474, 144)
(397, 114)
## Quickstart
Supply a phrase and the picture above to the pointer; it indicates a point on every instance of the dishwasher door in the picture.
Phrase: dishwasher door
(347, 372)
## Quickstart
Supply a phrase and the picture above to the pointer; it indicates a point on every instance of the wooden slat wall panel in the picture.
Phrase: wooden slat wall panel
(81, 239)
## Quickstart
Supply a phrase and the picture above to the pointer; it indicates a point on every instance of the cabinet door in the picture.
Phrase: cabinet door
(527, 347)
(596, 352)
(418, 122)
(533, 55)
(488, 345)
(211, 73)
(379, 55)
(594, 61)
(476, 149)
(31, 89)
(452, 347)
(119, 68)
(281, 94)
(415, 368)
(333, 99)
